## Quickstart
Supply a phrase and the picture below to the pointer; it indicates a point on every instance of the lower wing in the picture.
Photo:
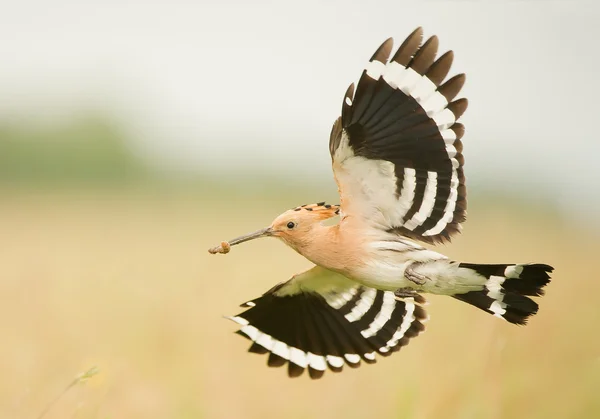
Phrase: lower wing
(321, 319)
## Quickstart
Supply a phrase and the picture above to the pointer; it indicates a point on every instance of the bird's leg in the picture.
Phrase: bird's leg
(410, 293)
(405, 293)
(411, 274)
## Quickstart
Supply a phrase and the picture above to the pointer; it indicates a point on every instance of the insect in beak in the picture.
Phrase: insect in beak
(225, 246)
(256, 235)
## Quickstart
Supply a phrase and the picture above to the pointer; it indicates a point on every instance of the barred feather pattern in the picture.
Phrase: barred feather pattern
(507, 289)
(319, 330)
(398, 145)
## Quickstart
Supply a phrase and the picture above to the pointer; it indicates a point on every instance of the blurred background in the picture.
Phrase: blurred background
(135, 135)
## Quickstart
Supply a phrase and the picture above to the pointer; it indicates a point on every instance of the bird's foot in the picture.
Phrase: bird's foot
(405, 293)
(414, 276)
(410, 293)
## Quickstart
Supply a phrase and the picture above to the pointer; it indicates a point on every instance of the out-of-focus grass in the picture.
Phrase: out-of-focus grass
(79, 379)
(88, 150)
(122, 280)
(112, 271)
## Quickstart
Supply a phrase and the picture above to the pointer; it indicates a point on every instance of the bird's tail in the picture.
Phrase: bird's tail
(507, 289)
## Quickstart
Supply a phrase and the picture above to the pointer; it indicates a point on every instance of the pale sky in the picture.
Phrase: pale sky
(257, 85)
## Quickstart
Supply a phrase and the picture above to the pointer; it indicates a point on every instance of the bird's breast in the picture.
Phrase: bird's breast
(383, 263)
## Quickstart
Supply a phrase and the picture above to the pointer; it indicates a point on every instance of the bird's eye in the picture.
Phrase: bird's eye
(291, 225)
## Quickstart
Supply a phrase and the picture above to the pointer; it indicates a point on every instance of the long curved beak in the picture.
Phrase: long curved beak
(265, 232)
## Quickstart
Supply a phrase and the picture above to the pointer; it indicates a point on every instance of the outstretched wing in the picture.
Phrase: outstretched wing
(321, 319)
(396, 149)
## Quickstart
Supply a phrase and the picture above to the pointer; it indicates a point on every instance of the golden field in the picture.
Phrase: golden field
(121, 280)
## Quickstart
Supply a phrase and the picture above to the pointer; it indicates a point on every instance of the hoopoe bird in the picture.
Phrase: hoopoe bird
(397, 159)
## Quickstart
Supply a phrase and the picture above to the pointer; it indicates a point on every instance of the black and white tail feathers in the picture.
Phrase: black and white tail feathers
(507, 289)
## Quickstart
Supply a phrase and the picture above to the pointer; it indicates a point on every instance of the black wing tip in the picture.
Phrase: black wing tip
(275, 361)
(294, 370)
(350, 91)
(415, 36)
(409, 47)
(327, 338)
(425, 56)
(389, 113)
(383, 52)
(452, 87)
(440, 68)
(315, 374)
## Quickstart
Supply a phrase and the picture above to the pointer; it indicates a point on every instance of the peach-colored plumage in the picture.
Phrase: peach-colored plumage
(315, 240)
(397, 159)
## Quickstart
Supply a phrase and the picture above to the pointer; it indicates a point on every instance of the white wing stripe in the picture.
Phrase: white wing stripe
(434, 104)
(370, 356)
(444, 119)
(387, 308)
(423, 90)
(290, 353)
(407, 194)
(298, 357)
(335, 361)
(352, 358)
(409, 317)
(265, 341)
(409, 81)
(369, 185)
(451, 150)
(281, 349)
(427, 205)
(238, 320)
(449, 209)
(449, 136)
(394, 74)
(364, 304)
(375, 69)
(316, 362)
(337, 300)
(250, 331)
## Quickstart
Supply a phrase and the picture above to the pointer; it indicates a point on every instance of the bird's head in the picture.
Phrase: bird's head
(293, 227)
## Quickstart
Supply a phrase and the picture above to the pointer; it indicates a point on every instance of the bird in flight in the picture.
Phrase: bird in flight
(397, 160)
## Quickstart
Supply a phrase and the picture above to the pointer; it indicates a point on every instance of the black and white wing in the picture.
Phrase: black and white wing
(396, 149)
(320, 319)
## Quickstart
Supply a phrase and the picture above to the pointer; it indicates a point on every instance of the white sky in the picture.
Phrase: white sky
(258, 84)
